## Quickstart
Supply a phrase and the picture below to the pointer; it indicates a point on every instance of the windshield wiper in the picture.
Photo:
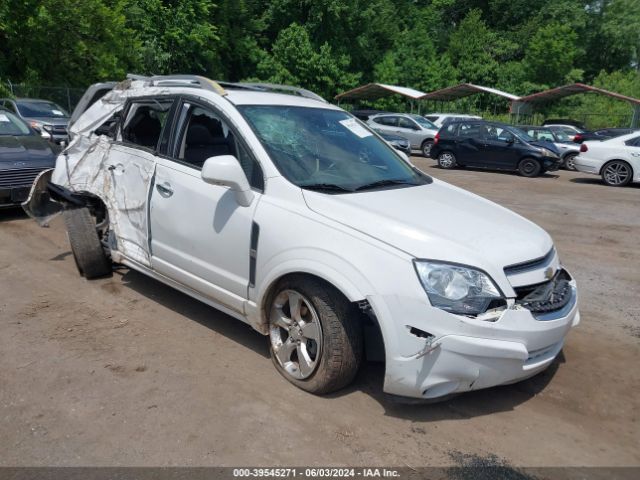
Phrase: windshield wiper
(326, 186)
(384, 183)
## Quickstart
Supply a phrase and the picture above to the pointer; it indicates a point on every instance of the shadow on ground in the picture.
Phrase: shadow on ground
(370, 378)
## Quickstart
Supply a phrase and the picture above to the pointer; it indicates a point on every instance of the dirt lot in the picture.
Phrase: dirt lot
(126, 371)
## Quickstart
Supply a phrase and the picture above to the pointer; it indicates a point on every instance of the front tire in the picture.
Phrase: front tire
(315, 335)
(529, 167)
(426, 148)
(447, 160)
(87, 250)
(617, 173)
(569, 161)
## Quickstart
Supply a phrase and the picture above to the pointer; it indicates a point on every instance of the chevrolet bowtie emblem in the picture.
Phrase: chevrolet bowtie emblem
(548, 273)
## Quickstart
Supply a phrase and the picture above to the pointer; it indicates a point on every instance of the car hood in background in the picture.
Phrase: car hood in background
(438, 221)
(25, 151)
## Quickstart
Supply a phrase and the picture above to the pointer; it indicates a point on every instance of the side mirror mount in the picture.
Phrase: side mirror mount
(225, 170)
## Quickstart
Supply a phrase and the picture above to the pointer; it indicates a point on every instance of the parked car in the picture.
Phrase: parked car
(616, 160)
(289, 214)
(602, 134)
(47, 118)
(569, 130)
(439, 119)
(365, 114)
(567, 149)
(491, 145)
(23, 155)
(396, 141)
(418, 130)
(564, 121)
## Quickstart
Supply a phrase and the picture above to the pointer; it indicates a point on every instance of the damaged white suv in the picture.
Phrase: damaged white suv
(289, 214)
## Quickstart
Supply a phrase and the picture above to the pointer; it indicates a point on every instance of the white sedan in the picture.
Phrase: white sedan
(617, 160)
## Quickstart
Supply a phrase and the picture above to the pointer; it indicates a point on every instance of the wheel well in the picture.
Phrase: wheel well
(374, 342)
(616, 160)
(427, 140)
(569, 153)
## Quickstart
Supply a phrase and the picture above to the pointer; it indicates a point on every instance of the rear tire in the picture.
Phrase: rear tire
(88, 253)
(426, 148)
(326, 332)
(529, 167)
(447, 160)
(617, 173)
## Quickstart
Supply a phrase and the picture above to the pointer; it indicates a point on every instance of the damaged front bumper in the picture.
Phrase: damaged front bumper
(431, 353)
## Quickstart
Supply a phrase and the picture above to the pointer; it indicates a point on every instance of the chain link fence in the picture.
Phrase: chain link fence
(66, 97)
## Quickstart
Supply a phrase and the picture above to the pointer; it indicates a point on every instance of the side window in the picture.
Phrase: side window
(633, 142)
(469, 130)
(388, 121)
(145, 121)
(432, 118)
(450, 128)
(202, 134)
(406, 123)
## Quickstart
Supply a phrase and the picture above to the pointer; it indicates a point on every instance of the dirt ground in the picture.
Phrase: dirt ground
(127, 371)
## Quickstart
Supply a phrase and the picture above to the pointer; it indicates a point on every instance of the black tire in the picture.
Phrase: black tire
(529, 167)
(426, 147)
(617, 173)
(88, 253)
(342, 341)
(447, 160)
(568, 161)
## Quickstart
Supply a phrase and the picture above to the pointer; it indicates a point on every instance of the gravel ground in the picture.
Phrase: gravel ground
(126, 371)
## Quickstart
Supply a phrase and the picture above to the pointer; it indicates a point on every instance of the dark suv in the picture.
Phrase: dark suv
(482, 144)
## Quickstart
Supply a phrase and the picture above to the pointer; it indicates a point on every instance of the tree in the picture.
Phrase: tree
(550, 55)
(293, 60)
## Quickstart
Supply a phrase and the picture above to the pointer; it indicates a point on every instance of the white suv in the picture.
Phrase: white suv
(289, 214)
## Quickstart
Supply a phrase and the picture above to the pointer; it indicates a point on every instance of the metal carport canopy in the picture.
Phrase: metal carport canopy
(572, 89)
(464, 90)
(372, 91)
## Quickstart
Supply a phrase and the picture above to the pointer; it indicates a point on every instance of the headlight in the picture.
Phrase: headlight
(548, 153)
(457, 289)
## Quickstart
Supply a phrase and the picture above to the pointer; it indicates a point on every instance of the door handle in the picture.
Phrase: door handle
(164, 190)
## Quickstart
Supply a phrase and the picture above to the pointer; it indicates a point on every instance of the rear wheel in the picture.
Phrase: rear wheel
(447, 160)
(617, 173)
(87, 250)
(569, 161)
(426, 148)
(529, 167)
(315, 335)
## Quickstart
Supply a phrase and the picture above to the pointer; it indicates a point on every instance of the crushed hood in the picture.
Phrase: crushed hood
(438, 221)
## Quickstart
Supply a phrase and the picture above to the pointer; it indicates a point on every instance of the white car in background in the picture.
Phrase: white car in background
(439, 119)
(617, 160)
(419, 131)
(289, 214)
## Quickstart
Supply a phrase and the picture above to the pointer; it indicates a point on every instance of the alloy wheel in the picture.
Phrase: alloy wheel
(446, 160)
(295, 334)
(616, 173)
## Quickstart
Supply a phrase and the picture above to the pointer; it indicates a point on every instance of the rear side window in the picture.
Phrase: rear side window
(450, 128)
(432, 118)
(388, 121)
(144, 122)
(469, 130)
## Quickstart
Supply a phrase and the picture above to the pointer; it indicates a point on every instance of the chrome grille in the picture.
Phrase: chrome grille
(19, 177)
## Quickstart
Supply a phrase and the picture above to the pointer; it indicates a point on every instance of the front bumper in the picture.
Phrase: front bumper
(13, 195)
(465, 354)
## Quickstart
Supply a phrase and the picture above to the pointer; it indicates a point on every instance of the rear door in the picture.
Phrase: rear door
(200, 236)
(468, 144)
(129, 167)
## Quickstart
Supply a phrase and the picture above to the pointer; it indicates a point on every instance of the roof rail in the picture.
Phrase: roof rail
(181, 81)
(272, 87)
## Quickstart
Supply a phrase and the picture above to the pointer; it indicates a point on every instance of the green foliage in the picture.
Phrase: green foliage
(551, 54)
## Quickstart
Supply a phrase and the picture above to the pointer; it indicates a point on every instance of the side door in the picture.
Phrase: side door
(468, 146)
(410, 130)
(200, 236)
(128, 170)
(500, 148)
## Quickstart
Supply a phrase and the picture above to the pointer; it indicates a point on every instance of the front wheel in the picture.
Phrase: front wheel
(87, 250)
(447, 160)
(528, 167)
(617, 173)
(426, 148)
(315, 335)
(569, 161)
